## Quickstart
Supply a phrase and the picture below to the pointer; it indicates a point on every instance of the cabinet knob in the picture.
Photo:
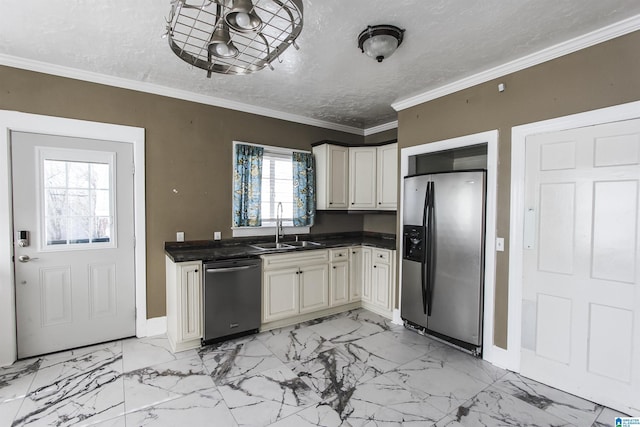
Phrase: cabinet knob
(330, 203)
(379, 203)
(334, 267)
(352, 203)
(196, 270)
(375, 266)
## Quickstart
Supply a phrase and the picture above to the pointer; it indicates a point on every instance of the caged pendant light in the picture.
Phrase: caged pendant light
(233, 36)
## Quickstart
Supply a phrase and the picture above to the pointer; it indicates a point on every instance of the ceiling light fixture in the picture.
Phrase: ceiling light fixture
(380, 41)
(233, 36)
(220, 44)
(242, 16)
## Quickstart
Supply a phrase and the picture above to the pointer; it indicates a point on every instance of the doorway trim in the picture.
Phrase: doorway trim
(519, 136)
(34, 123)
(490, 351)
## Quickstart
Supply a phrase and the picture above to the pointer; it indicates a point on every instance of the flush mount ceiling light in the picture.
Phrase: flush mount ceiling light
(233, 36)
(380, 41)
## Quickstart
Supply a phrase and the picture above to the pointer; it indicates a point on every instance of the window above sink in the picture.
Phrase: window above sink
(276, 168)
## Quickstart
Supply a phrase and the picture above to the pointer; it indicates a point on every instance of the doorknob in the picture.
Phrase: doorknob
(25, 258)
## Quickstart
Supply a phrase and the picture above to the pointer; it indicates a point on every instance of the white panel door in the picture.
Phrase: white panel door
(581, 297)
(75, 282)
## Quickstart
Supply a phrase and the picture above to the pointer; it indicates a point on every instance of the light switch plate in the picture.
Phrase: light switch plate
(500, 244)
(180, 236)
(217, 235)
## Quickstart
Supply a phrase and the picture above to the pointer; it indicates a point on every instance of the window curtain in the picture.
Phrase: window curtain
(247, 183)
(304, 189)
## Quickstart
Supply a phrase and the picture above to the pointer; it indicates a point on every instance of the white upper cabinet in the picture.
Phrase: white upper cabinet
(388, 176)
(362, 178)
(356, 178)
(332, 176)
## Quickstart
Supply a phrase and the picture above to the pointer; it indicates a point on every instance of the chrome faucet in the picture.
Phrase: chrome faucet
(279, 230)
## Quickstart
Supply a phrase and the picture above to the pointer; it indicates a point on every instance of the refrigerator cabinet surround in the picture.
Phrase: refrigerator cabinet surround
(443, 256)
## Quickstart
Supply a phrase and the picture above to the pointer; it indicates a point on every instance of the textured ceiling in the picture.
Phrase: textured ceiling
(328, 79)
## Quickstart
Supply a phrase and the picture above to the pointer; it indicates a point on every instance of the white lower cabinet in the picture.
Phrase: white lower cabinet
(339, 276)
(280, 294)
(184, 304)
(367, 253)
(355, 273)
(294, 283)
(314, 287)
(379, 283)
(325, 281)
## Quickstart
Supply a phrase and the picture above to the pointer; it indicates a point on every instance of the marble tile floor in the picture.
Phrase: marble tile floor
(351, 369)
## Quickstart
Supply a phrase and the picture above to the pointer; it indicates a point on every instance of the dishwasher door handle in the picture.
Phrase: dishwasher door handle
(230, 269)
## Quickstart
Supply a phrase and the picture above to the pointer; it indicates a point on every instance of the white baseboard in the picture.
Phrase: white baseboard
(156, 326)
(396, 317)
(501, 358)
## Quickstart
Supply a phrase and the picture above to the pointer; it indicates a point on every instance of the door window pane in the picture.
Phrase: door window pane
(78, 203)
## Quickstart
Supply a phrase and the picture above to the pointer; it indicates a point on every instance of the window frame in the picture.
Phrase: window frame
(265, 230)
(83, 156)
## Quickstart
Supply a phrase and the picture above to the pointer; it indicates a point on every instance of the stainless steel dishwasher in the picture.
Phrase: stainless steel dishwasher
(232, 297)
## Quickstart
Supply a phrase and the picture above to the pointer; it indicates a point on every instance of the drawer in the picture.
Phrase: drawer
(312, 256)
(382, 255)
(341, 254)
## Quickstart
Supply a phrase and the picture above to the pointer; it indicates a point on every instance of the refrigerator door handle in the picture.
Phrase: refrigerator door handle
(430, 246)
(424, 265)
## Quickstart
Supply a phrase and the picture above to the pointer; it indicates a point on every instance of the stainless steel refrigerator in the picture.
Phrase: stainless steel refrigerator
(443, 255)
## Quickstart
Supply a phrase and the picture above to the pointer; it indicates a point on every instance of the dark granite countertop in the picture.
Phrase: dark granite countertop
(215, 250)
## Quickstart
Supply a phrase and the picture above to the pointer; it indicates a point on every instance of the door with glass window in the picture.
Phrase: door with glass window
(74, 241)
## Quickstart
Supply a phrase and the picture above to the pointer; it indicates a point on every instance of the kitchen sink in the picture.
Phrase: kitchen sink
(304, 244)
(289, 245)
(271, 245)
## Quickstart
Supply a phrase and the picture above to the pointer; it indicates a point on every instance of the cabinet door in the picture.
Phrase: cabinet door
(280, 294)
(355, 274)
(190, 305)
(362, 177)
(339, 282)
(314, 287)
(367, 266)
(338, 175)
(381, 285)
(387, 176)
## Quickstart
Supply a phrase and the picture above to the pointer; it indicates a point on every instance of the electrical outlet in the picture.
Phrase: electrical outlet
(180, 236)
(500, 244)
(217, 235)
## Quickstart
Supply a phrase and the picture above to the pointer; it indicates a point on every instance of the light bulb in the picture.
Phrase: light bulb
(222, 50)
(243, 20)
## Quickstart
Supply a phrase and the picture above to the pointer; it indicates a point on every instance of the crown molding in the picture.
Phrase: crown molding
(90, 76)
(590, 39)
(380, 128)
